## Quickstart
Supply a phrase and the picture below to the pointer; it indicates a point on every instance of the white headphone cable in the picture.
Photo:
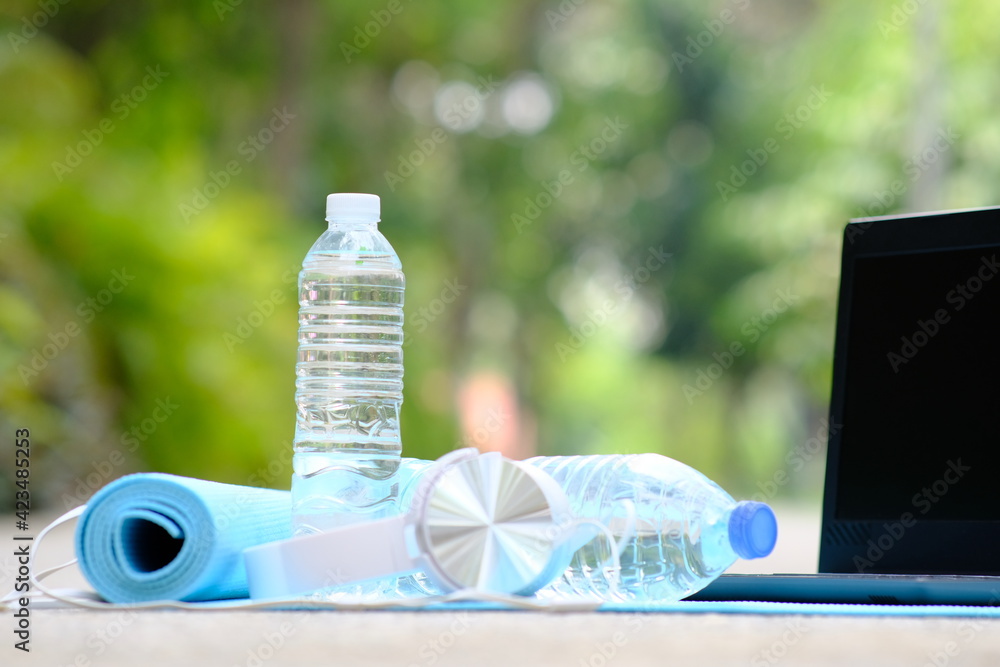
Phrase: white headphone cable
(90, 600)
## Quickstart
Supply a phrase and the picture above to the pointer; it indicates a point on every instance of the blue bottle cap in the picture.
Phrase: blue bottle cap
(753, 529)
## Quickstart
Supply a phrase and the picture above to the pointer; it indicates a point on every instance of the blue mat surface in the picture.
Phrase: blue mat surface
(693, 607)
(153, 536)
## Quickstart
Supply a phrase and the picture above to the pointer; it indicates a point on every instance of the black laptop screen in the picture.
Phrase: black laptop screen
(921, 431)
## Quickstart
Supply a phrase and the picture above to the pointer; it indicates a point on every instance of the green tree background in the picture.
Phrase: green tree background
(617, 195)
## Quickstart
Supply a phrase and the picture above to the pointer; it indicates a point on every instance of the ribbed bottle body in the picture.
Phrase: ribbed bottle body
(349, 385)
(670, 521)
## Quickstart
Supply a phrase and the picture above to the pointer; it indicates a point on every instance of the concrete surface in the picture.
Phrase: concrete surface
(256, 638)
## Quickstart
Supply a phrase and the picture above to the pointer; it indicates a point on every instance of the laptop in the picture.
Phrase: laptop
(911, 502)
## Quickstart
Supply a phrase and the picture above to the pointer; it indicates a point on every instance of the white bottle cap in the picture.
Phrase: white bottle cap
(351, 206)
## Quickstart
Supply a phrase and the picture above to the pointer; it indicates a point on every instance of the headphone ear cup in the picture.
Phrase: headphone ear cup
(493, 525)
(430, 477)
(559, 530)
(559, 559)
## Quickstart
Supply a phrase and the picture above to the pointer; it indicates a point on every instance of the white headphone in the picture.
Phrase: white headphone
(478, 521)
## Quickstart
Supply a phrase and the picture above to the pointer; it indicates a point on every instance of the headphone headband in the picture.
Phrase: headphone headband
(479, 521)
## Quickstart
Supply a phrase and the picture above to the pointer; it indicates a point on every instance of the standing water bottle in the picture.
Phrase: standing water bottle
(349, 375)
(676, 530)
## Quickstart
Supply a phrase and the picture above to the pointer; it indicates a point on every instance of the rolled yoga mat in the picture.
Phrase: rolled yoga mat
(153, 536)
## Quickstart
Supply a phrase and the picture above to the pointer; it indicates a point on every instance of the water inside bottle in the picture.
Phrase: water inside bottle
(348, 389)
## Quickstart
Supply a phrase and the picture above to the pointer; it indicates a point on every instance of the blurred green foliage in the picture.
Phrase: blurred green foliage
(625, 192)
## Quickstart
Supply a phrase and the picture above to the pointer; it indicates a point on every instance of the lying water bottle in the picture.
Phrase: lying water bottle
(349, 374)
(676, 530)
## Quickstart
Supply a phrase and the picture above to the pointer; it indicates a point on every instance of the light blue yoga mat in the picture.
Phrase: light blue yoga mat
(807, 608)
(153, 536)
(706, 607)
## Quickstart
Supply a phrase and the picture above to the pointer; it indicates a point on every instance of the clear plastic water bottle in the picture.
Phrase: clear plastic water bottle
(349, 375)
(676, 530)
